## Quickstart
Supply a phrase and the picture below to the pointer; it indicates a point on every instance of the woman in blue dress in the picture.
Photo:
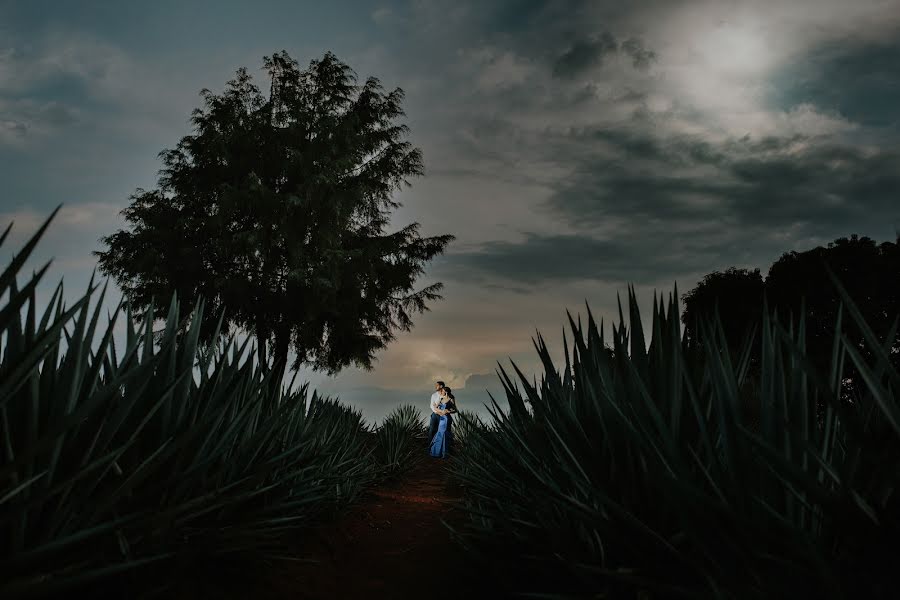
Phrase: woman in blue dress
(440, 444)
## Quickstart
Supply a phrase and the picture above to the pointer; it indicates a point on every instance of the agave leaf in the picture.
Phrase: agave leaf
(93, 373)
(18, 261)
(46, 550)
(66, 485)
(20, 488)
(52, 434)
(5, 233)
(19, 299)
(44, 344)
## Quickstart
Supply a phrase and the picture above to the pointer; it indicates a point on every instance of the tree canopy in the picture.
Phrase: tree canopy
(276, 210)
(869, 272)
(798, 281)
(736, 294)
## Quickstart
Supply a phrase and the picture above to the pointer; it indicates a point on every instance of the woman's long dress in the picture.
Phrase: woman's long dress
(440, 444)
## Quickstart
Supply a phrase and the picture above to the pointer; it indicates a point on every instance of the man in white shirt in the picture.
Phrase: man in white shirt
(435, 418)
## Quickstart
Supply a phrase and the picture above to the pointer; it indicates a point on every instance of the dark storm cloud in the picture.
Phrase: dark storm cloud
(478, 381)
(859, 81)
(480, 387)
(765, 183)
(585, 54)
(518, 15)
(641, 56)
(631, 195)
(541, 259)
(591, 52)
(22, 117)
(677, 205)
(12, 127)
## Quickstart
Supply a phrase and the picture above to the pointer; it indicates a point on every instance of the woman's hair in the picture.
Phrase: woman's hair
(449, 393)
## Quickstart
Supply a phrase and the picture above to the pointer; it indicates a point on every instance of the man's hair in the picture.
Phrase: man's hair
(440, 383)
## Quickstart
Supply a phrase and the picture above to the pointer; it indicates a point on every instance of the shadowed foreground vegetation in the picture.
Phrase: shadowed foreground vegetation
(123, 468)
(668, 471)
(665, 472)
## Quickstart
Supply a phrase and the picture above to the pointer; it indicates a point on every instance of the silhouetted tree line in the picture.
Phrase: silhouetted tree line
(798, 282)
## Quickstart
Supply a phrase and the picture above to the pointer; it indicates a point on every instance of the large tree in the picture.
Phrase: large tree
(737, 294)
(276, 210)
(869, 272)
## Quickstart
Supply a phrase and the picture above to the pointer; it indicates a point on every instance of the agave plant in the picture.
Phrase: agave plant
(638, 468)
(399, 440)
(119, 458)
(467, 424)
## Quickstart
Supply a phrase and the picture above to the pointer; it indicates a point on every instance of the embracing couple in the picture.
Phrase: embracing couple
(440, 429)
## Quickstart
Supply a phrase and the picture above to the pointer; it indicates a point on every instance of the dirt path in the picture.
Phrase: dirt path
(391, 545)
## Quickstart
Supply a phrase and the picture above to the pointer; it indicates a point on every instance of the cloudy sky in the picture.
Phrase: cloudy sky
(571, 147)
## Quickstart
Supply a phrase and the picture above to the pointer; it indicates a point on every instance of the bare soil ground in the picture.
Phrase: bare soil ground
(392, 545)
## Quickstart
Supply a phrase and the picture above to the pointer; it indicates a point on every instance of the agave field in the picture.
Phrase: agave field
(674, 470)
(122, 462)
(638, 471)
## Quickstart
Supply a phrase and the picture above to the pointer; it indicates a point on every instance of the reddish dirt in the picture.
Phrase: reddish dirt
(392, 545)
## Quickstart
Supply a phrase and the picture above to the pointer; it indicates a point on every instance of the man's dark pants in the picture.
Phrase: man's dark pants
(433, 426)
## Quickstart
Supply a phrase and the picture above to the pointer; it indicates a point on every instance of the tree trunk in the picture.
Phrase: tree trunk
(282, 344)
(262, 334)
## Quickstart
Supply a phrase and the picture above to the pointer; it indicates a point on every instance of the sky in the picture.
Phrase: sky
(573, 148)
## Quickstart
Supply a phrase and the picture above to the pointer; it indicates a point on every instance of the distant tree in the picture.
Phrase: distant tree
(277, 210)
(871, 275)
(869, 272)
(737, 294)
